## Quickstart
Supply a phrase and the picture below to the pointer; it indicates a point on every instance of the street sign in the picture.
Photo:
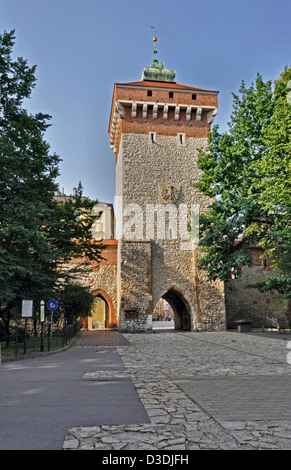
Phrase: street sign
(52, 305)
(42, 311)
(26, 311)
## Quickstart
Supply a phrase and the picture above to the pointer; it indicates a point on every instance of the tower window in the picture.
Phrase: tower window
(193, 96)
(181, 139)
(150, 93)
(171, 94)
(152, 137)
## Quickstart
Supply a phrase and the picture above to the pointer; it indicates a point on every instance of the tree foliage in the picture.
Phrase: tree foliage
(36, 234)
(275, 187)
(246, 172)
(75, 300)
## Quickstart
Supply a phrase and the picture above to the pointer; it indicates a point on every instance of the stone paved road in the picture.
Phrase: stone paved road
(220, 390)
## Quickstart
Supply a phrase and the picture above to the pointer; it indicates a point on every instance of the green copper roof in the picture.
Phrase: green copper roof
(157, 71)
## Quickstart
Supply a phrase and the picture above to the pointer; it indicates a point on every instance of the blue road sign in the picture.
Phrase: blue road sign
(52, 304)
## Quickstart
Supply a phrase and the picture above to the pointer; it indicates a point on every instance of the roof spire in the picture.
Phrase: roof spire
(155, 39)
(157, 71)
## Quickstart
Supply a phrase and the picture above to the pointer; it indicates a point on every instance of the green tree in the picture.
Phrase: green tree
(274, 188)
(238, 175)
(75, 301)
(36, 234)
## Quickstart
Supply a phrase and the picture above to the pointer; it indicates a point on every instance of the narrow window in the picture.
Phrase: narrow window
(152, 137)
(171, 94)
(181, 139)
(150, 93)
(193, 96)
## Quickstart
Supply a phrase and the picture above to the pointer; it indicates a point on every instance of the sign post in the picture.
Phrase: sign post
(51, 305)
(41, 321)
(26, 312)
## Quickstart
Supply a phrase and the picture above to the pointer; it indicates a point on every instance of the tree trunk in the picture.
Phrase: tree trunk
(6, 320)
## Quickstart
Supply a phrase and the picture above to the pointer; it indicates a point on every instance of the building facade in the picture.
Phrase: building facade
(156, 129)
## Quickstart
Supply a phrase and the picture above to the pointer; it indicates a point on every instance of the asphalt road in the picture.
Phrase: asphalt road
(41, 398)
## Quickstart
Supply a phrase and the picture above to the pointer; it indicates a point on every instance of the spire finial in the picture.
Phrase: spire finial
(155, 39)
(157, 71)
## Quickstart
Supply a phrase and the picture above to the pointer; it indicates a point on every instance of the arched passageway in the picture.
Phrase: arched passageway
(99, 318)
(102, 312)
(180, 309)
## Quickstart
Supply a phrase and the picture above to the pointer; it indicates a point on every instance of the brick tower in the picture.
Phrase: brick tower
(156, 128)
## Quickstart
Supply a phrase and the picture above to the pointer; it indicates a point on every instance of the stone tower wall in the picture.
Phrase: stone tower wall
(149, 265)
(134, 285)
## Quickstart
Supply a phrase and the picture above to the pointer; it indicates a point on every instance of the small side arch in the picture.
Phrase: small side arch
(110, 317)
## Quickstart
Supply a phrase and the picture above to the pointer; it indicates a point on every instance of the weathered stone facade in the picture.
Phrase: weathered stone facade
(101, 278)
(155, 171)
(244, 303)
(156, 130)
(134, 286)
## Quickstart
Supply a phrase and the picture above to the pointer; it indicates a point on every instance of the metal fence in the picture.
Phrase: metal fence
(20, 344)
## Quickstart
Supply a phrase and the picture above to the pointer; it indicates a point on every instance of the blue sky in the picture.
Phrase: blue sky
(82, 47)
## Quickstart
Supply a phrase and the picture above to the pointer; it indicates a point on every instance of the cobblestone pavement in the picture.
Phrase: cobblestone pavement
(219, 390)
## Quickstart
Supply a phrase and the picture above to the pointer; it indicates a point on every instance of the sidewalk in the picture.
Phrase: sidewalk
(41, 397)
(220, 390)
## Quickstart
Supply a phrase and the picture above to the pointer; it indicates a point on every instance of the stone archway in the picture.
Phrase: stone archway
(109, 314)
(180, 307)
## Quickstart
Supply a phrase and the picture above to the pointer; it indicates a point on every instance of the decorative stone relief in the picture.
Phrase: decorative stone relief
(169, 193)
